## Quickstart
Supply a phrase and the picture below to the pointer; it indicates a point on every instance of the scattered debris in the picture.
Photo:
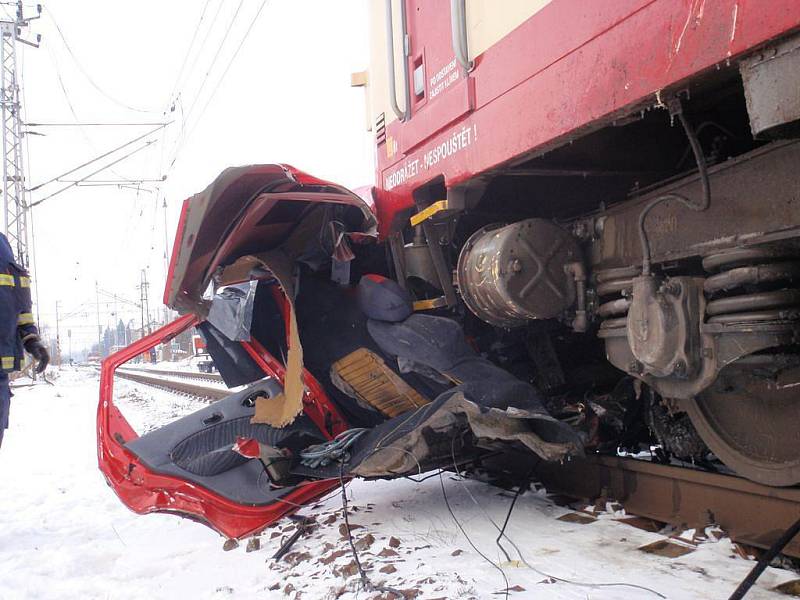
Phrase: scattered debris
(790, 588)
(365, 542)
(667, 548)
(253, 544)
(581, 519)
(230, 544)
(343, 529)
(326, 560)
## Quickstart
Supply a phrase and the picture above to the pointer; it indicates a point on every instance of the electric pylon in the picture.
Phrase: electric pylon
(15, 222)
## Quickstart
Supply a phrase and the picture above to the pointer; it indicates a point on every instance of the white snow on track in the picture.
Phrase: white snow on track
(64, 534)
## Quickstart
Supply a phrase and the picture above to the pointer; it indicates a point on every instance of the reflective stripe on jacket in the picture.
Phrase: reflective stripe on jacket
(16, 316)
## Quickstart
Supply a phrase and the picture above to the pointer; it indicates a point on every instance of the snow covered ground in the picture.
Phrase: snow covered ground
(64, 534)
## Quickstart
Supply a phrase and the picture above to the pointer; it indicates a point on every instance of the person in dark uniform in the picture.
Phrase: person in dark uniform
(17, 326)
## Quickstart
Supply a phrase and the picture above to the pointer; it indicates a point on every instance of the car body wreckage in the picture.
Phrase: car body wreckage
(342, 379)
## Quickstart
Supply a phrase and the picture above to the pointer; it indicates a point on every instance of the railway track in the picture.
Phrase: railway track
(194, 375)
(173, 385)
(752, 514)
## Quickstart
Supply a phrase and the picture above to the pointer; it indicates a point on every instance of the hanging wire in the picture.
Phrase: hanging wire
(182, 141)
(178, 92)
(86, 73)
(188, 51)
(502, 534)
(469, 540)
(366, 582)
(211, 66)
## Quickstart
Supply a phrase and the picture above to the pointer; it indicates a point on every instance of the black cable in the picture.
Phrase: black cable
(419, 480)
(677, 110)
(764, 561)
(365, 580)
(519, 552)
(523, 485)
(469, 541)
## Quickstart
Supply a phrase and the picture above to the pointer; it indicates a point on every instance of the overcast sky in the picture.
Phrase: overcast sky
(286, 98)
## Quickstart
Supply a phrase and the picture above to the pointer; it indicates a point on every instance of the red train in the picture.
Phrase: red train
(583, 237)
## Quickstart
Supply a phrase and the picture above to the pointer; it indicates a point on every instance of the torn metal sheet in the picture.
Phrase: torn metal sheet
(283, 409)
(410, 446)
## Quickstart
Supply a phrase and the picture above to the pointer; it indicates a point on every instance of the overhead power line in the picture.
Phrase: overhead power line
(178, 91)
(93, 173)
(92, 124)
(188, 51)
(182, 141)
(89, 77)
(105, 154)
(214, 61)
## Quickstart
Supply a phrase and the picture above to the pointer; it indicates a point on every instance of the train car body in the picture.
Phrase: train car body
(595, 207)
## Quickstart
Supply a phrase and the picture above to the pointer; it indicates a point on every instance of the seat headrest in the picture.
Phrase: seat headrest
(383, 299)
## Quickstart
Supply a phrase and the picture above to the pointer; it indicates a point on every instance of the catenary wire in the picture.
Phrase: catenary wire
(188, 51)
(212, 65)
(86, 73)
(219, 82)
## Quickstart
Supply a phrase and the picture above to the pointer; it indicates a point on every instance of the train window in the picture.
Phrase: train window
(419, 78)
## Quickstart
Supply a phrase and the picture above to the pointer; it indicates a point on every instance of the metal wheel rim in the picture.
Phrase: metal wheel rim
(714, 415)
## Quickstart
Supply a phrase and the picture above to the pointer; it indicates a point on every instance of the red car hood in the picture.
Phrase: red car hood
(245, 210)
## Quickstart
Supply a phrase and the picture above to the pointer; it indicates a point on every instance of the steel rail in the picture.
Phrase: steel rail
(184, 374)
(183, 387)
(751, 513)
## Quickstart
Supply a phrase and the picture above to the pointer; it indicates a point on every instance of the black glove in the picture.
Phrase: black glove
(35, 347)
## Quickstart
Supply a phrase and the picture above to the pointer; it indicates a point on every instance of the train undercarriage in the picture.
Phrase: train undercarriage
(651, 300)
(694, 348)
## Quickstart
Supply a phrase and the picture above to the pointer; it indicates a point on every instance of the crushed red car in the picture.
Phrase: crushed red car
(367, 387)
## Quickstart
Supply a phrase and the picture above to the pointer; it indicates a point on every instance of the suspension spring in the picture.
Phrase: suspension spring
(750, 285)
(613, 288)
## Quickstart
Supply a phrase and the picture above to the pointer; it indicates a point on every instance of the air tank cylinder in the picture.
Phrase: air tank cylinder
(508, 275)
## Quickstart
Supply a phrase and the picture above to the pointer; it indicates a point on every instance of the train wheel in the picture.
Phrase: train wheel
(750, 418)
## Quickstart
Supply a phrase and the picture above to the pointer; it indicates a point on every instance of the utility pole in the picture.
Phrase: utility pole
(166, 257)
(58, 339)
(144, 303)
(99, 330)
(15, 223)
